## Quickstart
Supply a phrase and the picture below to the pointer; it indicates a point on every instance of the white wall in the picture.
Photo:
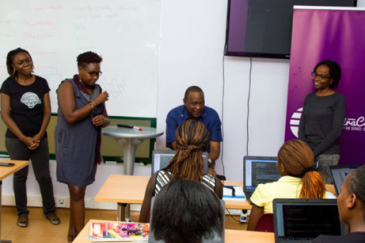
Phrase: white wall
(192, 42)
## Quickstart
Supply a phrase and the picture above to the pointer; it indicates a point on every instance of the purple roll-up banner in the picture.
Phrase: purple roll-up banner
(338, 34)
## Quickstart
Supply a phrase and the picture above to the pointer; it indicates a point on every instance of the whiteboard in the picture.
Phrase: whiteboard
(124, 32)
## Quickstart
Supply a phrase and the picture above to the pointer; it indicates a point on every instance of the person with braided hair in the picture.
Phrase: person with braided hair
(300, 179)
(26, 111)
(351, 207)
(192, 139)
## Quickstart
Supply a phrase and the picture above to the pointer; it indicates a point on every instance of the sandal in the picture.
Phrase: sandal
(53, 219)
(22, 221)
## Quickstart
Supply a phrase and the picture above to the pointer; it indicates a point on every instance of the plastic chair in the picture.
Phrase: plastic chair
(266, 223)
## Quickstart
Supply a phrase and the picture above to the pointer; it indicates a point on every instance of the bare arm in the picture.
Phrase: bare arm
(255, 215)
(68, 106)
(46, 118)
(9, 122)
(146, 205)
(101, 120)
(215, 149)
(218, 188)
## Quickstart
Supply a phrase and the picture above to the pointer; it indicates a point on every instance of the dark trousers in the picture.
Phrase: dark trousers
(40, 161)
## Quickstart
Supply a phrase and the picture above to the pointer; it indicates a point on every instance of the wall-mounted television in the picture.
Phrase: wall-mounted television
(262, 28)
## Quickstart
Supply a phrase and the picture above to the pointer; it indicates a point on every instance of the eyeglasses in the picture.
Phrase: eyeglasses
(94, 74)
(321, 77)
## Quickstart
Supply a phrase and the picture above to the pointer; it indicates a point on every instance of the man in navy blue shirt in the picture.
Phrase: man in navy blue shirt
(194, 108)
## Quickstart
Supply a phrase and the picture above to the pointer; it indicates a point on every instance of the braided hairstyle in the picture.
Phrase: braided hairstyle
(298, 160)
(9, 61)
(356, 183)
(192, 138)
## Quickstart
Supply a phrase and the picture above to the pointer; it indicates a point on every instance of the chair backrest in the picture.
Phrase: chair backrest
(266, 223)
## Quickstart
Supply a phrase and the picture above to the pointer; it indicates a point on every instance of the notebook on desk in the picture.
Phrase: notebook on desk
(161, 158)
(302, 220)
(257, 170)
(339, 173)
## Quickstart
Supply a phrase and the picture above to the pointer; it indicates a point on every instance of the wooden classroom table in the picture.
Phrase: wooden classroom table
(5, 171)
(230, 235)
(125, 190)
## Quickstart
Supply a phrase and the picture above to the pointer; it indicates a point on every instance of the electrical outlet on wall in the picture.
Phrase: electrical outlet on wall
(61, 202)
(89, 203)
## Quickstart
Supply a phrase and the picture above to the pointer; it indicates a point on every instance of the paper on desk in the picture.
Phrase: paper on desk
(118, 231)
(239, 194)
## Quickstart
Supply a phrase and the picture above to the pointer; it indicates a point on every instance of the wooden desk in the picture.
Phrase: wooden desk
(331, 188)
(230, 235)
(5, 171)
(125, 190)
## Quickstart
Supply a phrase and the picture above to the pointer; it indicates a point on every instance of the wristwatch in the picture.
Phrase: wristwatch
(209, 162)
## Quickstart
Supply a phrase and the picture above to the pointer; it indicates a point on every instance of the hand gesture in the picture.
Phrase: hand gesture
(30, 143)
(98, 120)
(101, 98)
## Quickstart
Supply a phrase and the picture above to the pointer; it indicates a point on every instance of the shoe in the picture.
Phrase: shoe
(53, 219)
(22, 221)
(70, 238)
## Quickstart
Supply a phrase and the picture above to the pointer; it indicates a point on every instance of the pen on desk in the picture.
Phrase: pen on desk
(125, 126)
(137, 128)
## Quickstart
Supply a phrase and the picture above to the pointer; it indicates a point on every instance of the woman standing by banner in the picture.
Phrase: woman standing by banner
(323, 116)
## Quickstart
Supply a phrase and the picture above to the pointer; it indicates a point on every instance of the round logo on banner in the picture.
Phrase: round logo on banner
(294, 122)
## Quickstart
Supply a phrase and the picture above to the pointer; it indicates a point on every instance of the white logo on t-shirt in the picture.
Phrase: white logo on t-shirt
(30, 99)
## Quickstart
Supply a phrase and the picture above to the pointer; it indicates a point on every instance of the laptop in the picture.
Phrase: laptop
(216, 238)
(258, 170)
(302, 220)
(339, 173)
(161, 158)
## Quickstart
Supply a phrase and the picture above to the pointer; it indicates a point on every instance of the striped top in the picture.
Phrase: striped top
(163, 178)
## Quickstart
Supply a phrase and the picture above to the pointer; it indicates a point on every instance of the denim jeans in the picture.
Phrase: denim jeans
(325, 160)
(40, 161)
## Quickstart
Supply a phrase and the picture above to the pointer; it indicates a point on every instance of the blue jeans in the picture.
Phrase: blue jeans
(325, 160)
(40, 161)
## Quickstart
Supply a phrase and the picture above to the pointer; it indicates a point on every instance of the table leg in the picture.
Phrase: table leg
(123, 212)
(129, 146)
(2, 241)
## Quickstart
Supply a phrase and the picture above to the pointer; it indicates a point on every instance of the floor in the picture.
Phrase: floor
(40, 230)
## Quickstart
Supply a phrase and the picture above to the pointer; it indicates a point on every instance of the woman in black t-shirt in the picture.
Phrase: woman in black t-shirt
(26, 111)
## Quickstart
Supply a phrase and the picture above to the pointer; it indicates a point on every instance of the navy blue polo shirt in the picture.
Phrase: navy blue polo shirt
(209, 118)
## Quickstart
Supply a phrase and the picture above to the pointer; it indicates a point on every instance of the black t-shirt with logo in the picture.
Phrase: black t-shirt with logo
(26, 105)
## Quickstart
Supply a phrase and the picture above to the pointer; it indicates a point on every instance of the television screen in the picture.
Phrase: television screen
(262, 28)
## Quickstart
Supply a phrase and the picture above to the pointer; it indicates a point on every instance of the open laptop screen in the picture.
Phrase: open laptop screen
(339, 173)
(259, 170)
(161, 158)
(302, 220)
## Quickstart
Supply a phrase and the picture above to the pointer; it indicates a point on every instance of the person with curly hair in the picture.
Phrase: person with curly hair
(323, 115)
(81, 115)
